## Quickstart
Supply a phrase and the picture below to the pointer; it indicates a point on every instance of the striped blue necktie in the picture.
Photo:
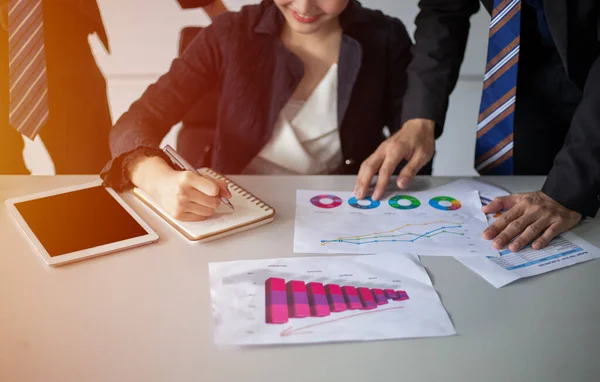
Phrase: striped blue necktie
(27, 67)
(494, 147)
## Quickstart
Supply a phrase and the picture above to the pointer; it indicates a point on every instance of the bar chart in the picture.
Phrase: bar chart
(320, 299)
(298, 299)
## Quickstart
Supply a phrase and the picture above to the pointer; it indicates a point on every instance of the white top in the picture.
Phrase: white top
(306, 137)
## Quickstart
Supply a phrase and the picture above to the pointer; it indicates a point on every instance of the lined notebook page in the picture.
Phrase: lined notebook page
(249, 209)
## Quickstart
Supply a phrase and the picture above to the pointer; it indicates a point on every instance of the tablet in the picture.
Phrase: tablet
(79, 222)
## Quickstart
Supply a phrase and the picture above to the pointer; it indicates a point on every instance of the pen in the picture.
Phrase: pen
(185, 165)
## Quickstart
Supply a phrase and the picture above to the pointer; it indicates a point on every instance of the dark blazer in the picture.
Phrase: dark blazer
(441, 36)
(197, 133)
(203, 115)
(241, 54)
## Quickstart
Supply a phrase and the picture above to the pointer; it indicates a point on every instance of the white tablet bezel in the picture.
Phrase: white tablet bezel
(150, 237)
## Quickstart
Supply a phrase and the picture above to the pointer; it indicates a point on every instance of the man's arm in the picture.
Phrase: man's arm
(412, 142)
(572, 188)
(574, 180)
(141, 129)
(440, 42)
(441, 38)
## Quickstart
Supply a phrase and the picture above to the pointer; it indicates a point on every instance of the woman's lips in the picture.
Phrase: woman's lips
(305, 19)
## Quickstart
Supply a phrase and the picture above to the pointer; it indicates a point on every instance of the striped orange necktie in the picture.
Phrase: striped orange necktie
(27, 67)
(494, 147)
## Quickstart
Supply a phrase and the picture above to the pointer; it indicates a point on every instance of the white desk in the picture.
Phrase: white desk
(144, 315)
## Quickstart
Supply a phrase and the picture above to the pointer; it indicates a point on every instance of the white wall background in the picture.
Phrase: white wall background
(144, 37)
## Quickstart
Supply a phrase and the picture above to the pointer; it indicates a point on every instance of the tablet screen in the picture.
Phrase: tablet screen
(79, 220)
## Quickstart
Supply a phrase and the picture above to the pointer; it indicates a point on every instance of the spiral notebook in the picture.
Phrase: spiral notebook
(250, 212)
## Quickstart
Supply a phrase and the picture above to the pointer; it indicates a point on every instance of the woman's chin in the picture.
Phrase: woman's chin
(306, 28)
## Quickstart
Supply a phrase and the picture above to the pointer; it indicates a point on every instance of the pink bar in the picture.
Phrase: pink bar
(366, 297)
(275, 283)
(277, 314)
(402, 295)
(297, 299)
(296, 285)
(276, 309)
(380, 298)
(351, 297)
(335, 298)
(319, 307)
(390, 294)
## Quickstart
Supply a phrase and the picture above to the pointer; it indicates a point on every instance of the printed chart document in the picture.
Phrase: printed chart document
(443, 221)
(324, 299)
(565, 250)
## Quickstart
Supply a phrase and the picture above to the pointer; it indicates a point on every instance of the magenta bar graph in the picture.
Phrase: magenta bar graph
(296, 299)
(351, 297)
(297, 295)
(335, 298)
(319, 307)
(380, 298)
(276, 301)
(367, 299)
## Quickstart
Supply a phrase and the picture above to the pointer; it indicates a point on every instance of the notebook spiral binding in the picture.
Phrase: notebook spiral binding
(240, 190)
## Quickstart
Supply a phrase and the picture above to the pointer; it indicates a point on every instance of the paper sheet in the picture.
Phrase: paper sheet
(443, 221)
(566, 250)
(300, 296)
(247, 209)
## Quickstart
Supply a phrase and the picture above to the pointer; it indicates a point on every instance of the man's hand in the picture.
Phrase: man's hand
(528, 215)
(415, 142)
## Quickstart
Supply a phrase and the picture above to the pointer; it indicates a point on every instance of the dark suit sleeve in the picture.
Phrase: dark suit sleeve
(142, 128)
(398, 57)
(574, 181)
(440, 41)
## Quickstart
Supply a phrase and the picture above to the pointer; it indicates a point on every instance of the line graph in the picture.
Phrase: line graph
(449, 228)
(388, 236)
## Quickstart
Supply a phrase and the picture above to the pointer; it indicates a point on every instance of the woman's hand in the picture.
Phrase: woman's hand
(184, 195)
